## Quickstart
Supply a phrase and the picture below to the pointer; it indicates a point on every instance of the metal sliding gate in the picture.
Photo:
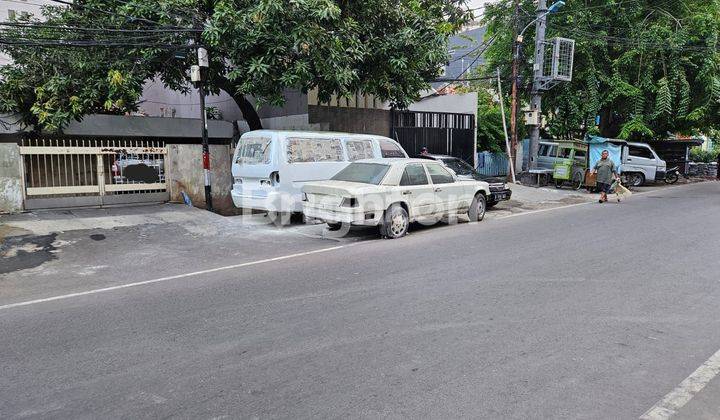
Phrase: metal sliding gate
(442, 133)
(89, 172)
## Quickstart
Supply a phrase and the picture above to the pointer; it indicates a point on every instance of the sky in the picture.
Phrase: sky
(477, 3)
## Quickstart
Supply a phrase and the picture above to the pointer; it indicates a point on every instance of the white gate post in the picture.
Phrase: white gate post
(100, 175)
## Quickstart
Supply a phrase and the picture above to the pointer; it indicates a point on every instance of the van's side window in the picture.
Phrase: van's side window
(544, 150)
(389, 149)
(359, 149)
(253, 151)
(641, 152)
(314, 150)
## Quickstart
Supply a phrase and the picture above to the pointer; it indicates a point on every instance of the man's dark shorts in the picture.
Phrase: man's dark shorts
(606, 188)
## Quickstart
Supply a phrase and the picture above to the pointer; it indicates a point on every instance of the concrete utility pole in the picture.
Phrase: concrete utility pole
(514, 93)
(536, 99)
(196, 75)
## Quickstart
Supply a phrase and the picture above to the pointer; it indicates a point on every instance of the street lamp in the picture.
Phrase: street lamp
(552, 9)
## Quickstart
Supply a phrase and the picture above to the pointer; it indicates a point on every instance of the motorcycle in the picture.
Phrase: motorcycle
(672, 175)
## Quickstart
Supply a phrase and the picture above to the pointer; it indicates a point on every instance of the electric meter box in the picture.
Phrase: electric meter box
(532, 118)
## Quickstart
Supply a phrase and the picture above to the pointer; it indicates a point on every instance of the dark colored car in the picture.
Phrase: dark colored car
(498, 189)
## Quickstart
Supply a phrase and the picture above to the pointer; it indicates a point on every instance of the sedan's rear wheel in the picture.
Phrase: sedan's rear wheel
(395, 222)
(477, 208)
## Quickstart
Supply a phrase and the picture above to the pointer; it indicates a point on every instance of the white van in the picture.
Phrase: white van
(641, 164)
(270, 166)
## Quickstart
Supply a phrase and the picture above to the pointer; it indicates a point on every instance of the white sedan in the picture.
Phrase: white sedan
(391, 193)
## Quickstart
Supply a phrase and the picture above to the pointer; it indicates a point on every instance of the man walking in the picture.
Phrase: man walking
(606, 173)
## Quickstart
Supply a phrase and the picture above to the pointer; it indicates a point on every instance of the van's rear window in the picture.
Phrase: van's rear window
(253, 151)
(389, 149)
(366, 173)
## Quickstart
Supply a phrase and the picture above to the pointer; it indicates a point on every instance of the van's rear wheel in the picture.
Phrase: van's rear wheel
(636, 179)
(279, 219)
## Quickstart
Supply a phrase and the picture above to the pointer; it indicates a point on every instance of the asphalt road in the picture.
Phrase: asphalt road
(591, 311)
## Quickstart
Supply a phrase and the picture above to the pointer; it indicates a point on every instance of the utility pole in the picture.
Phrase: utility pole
(536, 99)
(514, 93)
(196, 75)
(505, 130)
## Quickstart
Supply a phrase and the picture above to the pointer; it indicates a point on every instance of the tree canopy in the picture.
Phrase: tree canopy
(93, 56)
(646, 67)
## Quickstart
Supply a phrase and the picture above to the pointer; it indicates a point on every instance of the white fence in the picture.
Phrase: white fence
(89, 172)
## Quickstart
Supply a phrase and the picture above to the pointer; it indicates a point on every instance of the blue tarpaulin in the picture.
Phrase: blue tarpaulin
(596, 145)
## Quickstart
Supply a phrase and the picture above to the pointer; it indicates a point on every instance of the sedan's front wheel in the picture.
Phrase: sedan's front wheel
(395, 223)
(477, 208)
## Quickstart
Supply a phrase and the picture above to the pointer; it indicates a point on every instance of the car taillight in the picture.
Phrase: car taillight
(349, 202)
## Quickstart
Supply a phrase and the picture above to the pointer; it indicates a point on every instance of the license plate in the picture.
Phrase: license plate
(501, 196)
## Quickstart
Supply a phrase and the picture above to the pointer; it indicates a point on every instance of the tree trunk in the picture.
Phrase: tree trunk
(248, 110)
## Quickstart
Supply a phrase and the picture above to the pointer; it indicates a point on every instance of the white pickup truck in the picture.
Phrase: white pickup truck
(640, 164)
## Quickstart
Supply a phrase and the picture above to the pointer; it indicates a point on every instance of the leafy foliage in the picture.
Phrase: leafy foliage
(387, 48)
(490, 134)
(645, 67)
(707, 156)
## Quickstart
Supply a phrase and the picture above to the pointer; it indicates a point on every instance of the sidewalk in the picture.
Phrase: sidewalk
(531, 198)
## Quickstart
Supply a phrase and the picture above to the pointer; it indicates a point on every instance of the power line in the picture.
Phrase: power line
(85, 44)
(459, 76)
(25, 2)
(474, 49)
(132, 18)
(86, 29)
(624, 41)
(185, 104)
(615, 5)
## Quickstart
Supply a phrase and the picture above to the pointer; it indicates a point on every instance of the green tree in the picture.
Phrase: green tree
(490, 134)
(645, 67)
(94, 55)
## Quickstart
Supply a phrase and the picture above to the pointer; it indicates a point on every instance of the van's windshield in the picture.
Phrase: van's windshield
(366, 173)
(253, 151)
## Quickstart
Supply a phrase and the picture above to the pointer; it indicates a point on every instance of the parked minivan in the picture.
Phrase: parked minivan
(270, 166)
(547, 154)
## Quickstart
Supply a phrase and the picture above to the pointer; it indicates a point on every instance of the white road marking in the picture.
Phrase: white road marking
(542, 210)
(678, 397)
(168, 278)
